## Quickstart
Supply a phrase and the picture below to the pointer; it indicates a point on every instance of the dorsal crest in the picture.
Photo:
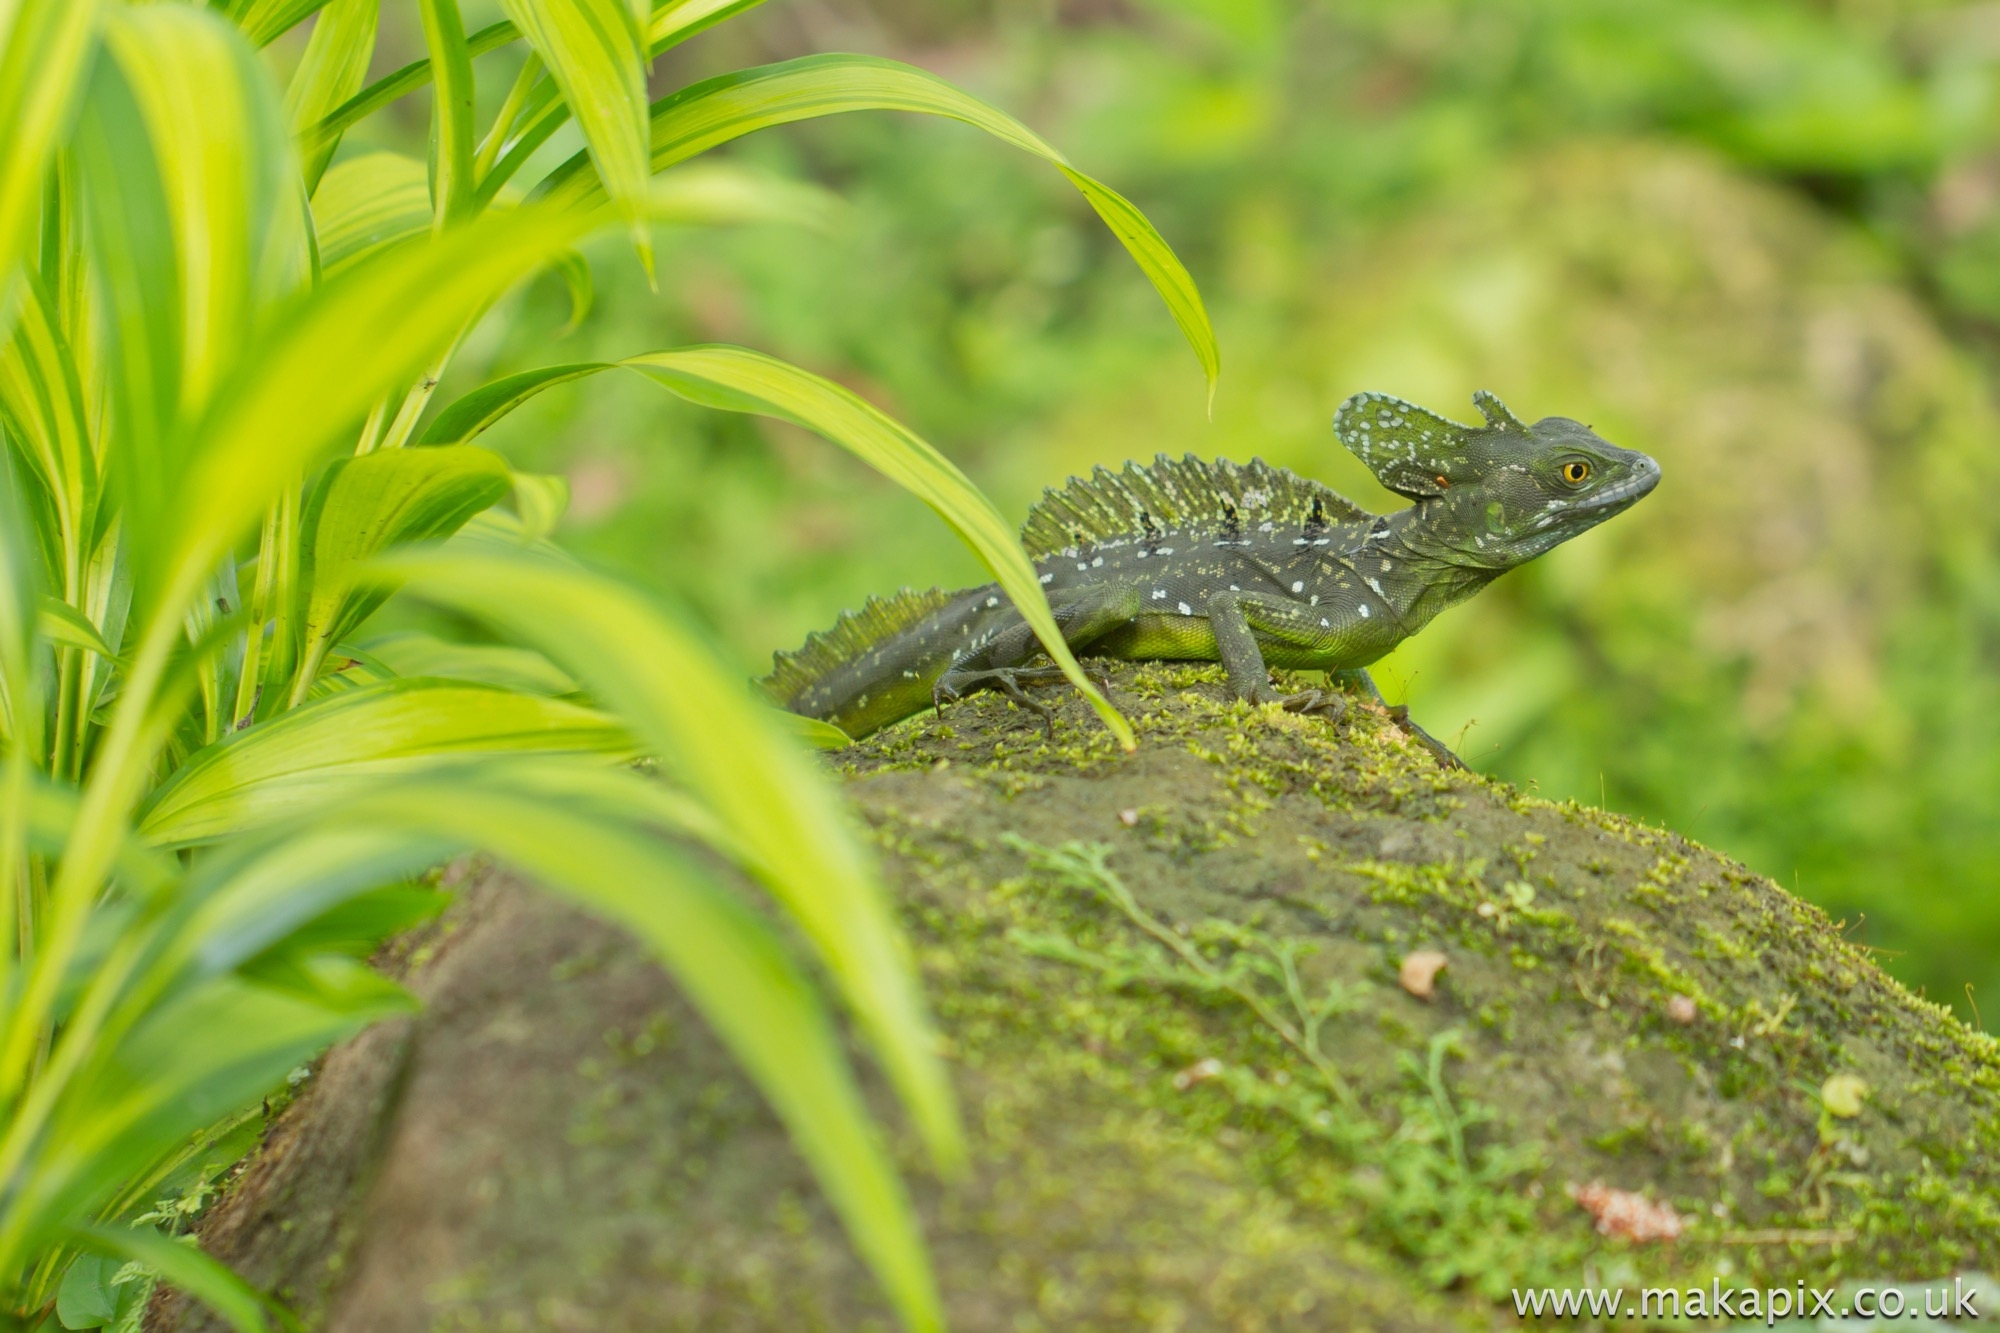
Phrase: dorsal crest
(1143, 502)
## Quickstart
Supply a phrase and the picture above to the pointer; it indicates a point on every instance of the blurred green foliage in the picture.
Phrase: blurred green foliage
(1759, 239)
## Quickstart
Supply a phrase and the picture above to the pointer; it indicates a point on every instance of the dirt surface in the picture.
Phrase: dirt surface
(1198, 1091)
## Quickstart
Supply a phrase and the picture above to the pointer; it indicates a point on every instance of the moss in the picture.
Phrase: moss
(1197, 1095)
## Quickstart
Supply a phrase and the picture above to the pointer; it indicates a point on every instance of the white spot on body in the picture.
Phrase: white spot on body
(1378, 589)
(1298, 585)
(1097, 562)
(1159, 594)
(1323, 621)
(1081, 567)
(1387, 566)
(1364, 610)
(1048, 578)
(1166, 550)
(1186, 610)
(995, 601)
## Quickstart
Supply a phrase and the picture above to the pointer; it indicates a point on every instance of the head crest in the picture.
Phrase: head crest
(1411, 450)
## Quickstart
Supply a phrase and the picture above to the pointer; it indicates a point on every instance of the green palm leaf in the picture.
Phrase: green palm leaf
(657, 672)
(44, 47)
(707, 114)
(596, 54)
(452, 108)
(330, 72)
(288, 764)
(738, 380)
(365, 505)
(368, 203)
(735, 971)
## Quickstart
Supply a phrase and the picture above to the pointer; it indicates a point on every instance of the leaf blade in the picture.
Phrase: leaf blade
(718, 110)
(279, 768)
(656, 672)
(595, 52)
(209, 1281)
(44, 48)
(739, 977)
(737, 379)
(331, 71)
(367, 504)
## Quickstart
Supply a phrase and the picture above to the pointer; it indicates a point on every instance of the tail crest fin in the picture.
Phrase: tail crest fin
(855, 633)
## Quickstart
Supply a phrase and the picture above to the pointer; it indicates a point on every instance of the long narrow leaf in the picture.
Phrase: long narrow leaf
(399, 84)
(706, 114)
(736, 379)
(737, 974)
(41, 398)
(368, 203)
(193, 1059)
(264, 21)
(452, 106)
(230, 180)
(330, 72)
(739, 380)
(379, 324)
(59, 622)
(595, 53)
(368, 504)
(186, 1267)
(658, 674)
(286, 765)
(44, 46)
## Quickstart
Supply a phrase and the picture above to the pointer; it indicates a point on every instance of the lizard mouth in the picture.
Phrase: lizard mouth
(1645, 476)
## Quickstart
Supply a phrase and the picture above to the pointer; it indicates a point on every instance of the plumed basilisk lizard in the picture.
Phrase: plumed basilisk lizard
(1251, 566)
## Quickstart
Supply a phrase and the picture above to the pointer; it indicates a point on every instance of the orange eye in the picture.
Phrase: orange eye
(1575, 471)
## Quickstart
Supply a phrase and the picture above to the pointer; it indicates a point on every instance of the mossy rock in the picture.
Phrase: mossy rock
(556, 1142)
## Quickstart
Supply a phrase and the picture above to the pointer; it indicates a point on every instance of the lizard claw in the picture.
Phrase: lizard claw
(1315, 701)
(1400, 715)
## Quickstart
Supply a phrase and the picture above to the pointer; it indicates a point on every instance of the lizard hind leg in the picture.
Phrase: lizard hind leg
(1082, 623)
(955, 685)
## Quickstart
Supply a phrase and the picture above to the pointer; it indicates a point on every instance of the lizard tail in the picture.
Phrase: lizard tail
(813, 680)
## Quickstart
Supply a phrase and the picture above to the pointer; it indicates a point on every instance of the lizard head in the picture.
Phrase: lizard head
(1502, 493)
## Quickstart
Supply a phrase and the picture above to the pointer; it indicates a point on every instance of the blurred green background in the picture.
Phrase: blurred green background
(1759, 239)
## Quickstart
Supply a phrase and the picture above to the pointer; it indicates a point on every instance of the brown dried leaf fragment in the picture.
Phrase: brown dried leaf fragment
(1623, 1213)
(1418, 974)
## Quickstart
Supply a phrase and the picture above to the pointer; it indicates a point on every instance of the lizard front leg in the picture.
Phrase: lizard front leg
(1400, 715)
(1229, 617)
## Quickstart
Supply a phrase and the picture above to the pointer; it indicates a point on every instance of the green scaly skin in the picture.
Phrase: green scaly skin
(1249, 566)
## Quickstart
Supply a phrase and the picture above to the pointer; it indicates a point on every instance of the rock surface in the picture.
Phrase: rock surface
(1130, 956)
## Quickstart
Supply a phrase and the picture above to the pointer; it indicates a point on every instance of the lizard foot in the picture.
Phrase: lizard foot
(1009, 681)
(1400, 715)
(1328, 702)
